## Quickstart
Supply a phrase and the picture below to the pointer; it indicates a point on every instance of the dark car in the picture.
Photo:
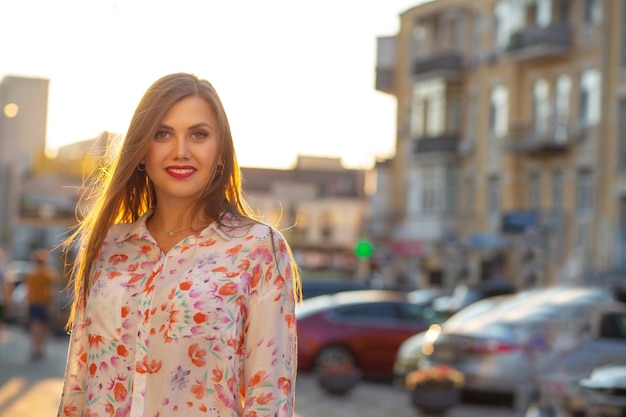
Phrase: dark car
(313, 287)
(359, 328)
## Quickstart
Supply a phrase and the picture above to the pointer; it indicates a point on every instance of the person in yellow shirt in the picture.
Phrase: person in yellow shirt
(40, 284)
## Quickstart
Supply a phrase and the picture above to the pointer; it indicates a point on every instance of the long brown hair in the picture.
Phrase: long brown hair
(122, 193)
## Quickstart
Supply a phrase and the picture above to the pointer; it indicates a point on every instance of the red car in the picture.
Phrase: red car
(358, 328)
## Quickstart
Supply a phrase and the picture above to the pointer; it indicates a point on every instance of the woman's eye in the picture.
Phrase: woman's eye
(161, 134)
(199, 134)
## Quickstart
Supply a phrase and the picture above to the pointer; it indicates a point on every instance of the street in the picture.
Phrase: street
(31, 389)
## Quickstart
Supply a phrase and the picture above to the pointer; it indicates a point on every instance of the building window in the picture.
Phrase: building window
(543, 15)
(499, 111)
(428, 113)
(541, 108)
(584, 193)
(534, 191)
(591, 12)
(561, 107)
(558, 182)
(493, 197)
(590, 83)
(508, 19)
(621, 163)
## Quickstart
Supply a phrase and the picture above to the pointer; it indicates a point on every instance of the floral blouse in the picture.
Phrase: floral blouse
(207, 329)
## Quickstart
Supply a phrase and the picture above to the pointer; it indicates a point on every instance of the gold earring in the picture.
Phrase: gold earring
(141, 167)
(219, 169)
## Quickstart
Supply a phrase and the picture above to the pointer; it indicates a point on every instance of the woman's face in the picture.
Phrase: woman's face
(182, 157)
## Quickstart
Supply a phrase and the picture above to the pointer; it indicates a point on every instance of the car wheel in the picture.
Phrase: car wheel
(330, 356)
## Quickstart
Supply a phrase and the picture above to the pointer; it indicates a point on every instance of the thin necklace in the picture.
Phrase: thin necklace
(171, 233)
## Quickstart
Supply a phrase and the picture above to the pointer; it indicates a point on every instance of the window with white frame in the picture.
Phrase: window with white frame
(584, 193)
(493, 197)
(544, 13)
(558, 182)
(589, 111)
(541, 108)
(591, 12)
(534, 191)
(508, 16)
(499, 111)
(562, 97)
(428, 108)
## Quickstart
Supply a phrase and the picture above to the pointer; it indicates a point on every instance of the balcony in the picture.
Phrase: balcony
(540, 42)
(448, 65)
(555, 139)
(445, 143)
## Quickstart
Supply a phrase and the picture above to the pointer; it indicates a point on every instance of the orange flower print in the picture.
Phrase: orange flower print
(122, 351)
(257, 379)
(264, 399)
(118, 258)
(119, 391)
(95, 341)
(208, 242)
(125, 311)
(185, 285)
(230, 288)
(145, 367)
(257, 274)
(285, 385)
(92, 369)
(200, 317)
(70, 410)
(218, 374)
(197, 355)
(198, 389)
(234, 251)
(290, 319)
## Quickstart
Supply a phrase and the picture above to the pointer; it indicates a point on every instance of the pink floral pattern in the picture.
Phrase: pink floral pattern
(207, 329)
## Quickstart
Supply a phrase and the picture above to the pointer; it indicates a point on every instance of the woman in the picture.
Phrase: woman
(184, 304)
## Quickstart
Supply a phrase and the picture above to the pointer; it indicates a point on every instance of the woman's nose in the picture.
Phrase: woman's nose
(182, 150)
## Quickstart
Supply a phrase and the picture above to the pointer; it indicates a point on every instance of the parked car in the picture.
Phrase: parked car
(464, 295)
(604, 344)
(359, 328)
(605, 391)
(502, 349)
(312, 287)
(416, 348)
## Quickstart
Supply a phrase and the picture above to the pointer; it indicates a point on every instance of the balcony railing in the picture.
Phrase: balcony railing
(540, 42)
(555, 138)
(446, 143)
(449, 62)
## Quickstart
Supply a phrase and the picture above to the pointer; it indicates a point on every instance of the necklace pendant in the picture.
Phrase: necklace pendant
(171, 233)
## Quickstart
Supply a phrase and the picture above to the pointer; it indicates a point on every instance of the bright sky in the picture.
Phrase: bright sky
(296, 77)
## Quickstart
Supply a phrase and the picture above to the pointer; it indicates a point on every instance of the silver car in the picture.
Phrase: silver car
(506, 348)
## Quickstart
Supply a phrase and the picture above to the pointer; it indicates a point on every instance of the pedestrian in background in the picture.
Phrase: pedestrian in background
(183, 302)
(40, 284)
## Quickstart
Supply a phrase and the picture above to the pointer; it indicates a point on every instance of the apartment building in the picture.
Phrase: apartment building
(511, 139)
